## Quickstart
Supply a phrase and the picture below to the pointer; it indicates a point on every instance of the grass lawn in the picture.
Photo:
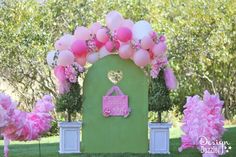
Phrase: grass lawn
(49, 147)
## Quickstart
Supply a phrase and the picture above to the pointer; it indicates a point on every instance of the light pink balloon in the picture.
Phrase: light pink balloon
(82, 33)
(126, 51)
(159, 49)
(124, 34)
(65, 58)
(65, 42)
(81, 61)
(102, 35)
(141, 58)
(93, 57)
(128, 23)
(114, 20)
(95, 27)
(147, 42)
(103, 52)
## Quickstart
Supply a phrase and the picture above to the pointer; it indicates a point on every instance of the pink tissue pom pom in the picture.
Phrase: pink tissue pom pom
(23, 126)
(44, 105)
(203, 122)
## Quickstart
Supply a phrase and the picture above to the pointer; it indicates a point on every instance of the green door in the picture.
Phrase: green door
(115, 134)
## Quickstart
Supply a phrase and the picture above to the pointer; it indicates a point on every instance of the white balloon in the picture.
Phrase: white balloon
(141, 29)
(65, 58)
(93, 57)
(51, 58)
(103, 52)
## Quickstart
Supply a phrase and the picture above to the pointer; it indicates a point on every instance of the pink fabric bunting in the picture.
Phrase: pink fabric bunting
(203, 122)
(22, 126)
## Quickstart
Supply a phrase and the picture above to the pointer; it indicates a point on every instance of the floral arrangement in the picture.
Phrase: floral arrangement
(21, 126)
(67, 75)
(135, 41)
(202, 122)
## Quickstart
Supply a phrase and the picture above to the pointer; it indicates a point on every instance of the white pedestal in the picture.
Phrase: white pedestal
(159, 138)
(69, 137)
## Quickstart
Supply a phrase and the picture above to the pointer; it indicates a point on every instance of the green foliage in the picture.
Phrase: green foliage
(159, 95)
(70, 102)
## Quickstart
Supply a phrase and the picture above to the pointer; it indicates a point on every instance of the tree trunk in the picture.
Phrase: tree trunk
(159, 117)
(69, 117)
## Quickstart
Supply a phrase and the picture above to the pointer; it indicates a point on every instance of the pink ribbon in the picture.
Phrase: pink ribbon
(115, 89)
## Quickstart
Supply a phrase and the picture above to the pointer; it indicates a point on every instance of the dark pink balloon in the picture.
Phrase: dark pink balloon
(109, 46)
(116, 45)
(79, 48)
(124, 34)
(98, 43)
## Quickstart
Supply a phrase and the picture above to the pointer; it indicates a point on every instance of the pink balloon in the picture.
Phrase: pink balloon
(112, 45)
(82, 33)
(103, 52)
(116, 44)
(126, 51)
(124, 34)
(147, 42)
(95, 27)
(128, 23)
(102, 35)
(65, 42)
(79, 48)
(159, 49)
(98, 43)
(65, 58)
(81, 61)
(92, 57)
(114, 20)
(109, 46)
(141, 58)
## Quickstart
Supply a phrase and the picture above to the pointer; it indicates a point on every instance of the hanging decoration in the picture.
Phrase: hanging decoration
(115, 105)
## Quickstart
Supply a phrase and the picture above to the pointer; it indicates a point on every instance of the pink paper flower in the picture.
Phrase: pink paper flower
(106, 112)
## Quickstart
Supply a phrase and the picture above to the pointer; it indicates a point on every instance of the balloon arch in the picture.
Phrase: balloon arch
(135, 41)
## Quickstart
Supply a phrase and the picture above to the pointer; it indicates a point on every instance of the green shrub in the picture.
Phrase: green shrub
(70, 102)
(159, 95)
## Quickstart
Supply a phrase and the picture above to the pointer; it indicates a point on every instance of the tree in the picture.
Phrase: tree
(159, 98)
(70, 102)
